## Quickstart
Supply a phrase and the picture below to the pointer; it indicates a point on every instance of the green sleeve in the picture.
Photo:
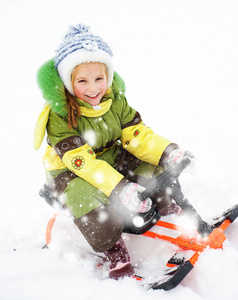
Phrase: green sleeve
(57, 129)
(128, 113)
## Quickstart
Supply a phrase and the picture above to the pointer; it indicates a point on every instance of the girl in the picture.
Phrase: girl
(99, 154)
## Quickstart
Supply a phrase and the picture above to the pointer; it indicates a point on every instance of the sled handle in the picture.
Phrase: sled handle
(165, 179)
(168, 179)
(203, 228)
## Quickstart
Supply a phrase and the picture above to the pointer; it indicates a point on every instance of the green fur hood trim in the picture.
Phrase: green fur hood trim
(53, 89)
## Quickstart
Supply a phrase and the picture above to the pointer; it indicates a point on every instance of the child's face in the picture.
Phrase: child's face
(90, 82)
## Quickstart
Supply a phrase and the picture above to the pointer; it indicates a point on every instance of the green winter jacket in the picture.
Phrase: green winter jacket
(89, 151)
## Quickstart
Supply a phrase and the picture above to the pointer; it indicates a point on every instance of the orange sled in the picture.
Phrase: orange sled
(178, 267)
(202, 237)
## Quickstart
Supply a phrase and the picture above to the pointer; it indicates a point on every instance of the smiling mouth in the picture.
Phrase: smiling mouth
(93, 96)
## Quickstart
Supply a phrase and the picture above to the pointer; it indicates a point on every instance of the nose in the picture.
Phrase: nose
(92, 87)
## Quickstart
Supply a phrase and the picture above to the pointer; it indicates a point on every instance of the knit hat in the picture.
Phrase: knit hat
(81, 46)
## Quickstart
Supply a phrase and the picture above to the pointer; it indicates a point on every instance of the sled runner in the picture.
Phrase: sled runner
(190, 242)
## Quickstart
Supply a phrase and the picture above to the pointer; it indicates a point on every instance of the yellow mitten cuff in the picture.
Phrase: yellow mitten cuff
(143, 143)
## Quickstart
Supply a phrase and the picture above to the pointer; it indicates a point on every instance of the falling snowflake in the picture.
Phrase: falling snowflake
(98, 177)
(90, 137)
(102, 216)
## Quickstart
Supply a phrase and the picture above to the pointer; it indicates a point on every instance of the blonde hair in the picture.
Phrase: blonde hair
(72, 103)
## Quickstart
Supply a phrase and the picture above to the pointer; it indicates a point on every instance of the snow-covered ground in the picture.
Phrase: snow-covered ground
(179, 60)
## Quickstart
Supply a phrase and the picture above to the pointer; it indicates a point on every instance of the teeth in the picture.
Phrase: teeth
(92, 96)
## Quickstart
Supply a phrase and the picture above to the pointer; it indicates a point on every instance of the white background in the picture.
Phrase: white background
(179, 61)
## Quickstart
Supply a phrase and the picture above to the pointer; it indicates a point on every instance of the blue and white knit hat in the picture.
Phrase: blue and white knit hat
(81, 46)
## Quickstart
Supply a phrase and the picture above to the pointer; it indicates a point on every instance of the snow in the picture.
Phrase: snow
(179, 60)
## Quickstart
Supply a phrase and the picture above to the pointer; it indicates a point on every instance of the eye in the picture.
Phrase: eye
(99, 78)
(81, 81)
